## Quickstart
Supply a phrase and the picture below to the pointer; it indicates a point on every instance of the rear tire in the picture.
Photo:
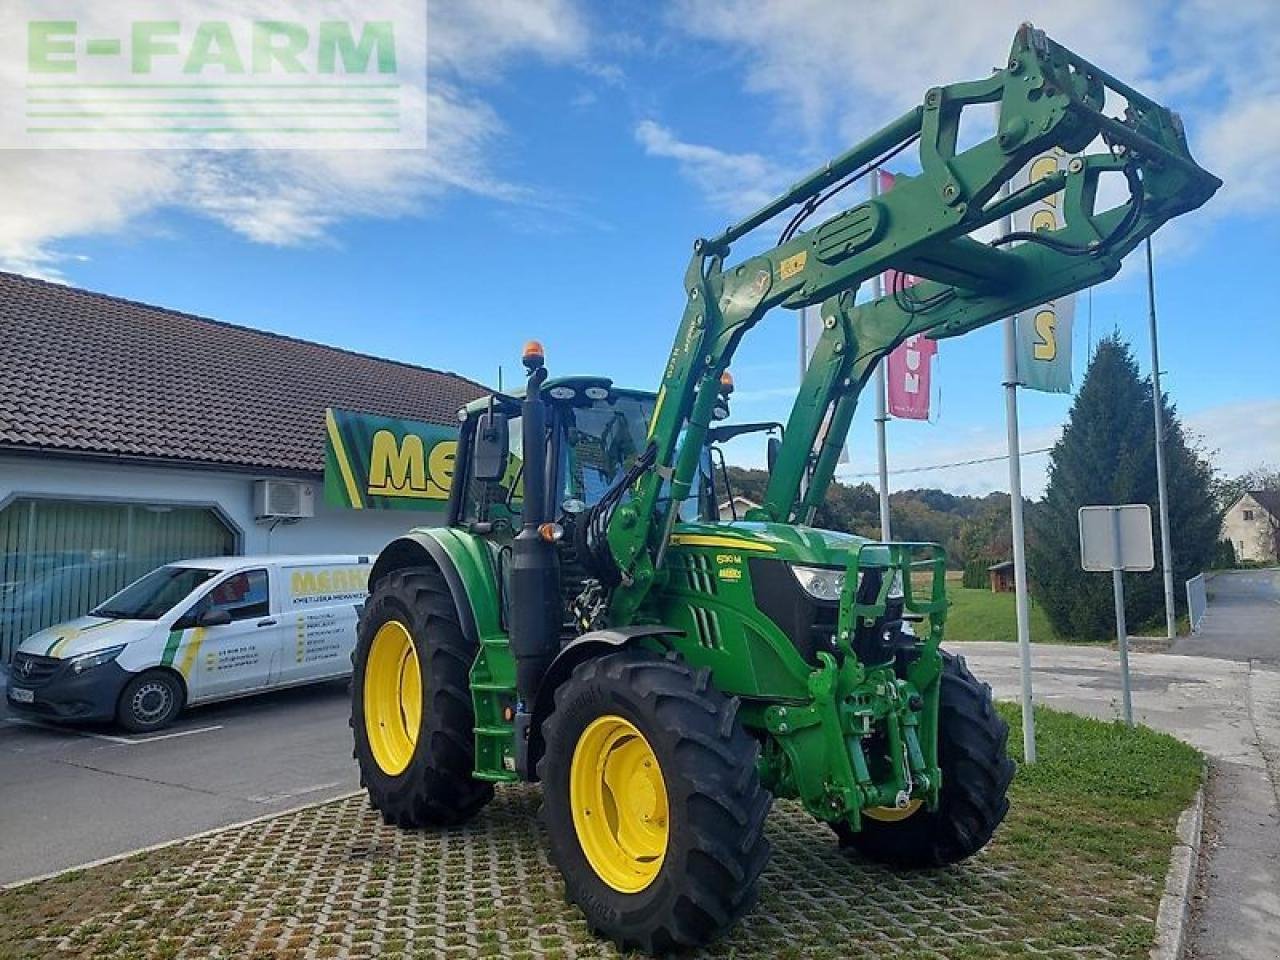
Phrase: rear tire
(413, 727)
(658, 756)
(976, 773)
(150, 701)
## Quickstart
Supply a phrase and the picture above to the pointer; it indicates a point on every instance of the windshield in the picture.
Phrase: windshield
(155, 594)
(603, 440)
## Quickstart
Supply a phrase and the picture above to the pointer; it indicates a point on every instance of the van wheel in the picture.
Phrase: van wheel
(150, 701)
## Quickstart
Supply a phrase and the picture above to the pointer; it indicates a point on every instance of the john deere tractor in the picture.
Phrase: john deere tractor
(588, 620)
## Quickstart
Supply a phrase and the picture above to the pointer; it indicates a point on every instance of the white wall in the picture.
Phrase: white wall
(332, 530)
(1252, 537)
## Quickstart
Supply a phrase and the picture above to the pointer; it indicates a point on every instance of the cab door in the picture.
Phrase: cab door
(230, 639)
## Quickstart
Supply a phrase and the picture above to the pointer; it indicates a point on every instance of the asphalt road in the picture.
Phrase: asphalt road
(1243, 619)
(70, 797)
(1219, 690)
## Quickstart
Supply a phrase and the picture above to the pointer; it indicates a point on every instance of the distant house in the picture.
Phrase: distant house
(736, 508)
(1251, 524)
(1001, 575)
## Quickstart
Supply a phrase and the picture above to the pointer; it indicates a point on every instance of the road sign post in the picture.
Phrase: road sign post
(1118, 538)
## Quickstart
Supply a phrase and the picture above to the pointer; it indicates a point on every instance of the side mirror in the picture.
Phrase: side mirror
(216, 617)
(489, 449)
(772, 451)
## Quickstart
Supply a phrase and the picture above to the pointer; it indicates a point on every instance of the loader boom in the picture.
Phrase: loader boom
(1046, 98)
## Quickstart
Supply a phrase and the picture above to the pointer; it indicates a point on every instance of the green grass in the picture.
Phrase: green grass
(1104, 791)
(983, 615)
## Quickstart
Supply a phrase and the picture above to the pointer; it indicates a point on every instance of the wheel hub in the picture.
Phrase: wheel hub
(150, 702)
(392, 697)
(619, 803)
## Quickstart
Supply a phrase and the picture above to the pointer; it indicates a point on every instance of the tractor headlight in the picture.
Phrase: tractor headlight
(821, 583)
(87, 661)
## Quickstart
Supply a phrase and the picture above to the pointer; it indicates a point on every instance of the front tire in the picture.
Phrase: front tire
(150, 701)
(976, 772)
(652, 802)
(411, 713)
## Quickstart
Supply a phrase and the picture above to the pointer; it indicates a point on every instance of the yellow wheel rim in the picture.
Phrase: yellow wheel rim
(392, 697)
(619, 803)
(892, 814)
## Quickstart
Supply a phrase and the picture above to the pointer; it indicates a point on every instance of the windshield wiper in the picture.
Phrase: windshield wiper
(112, 614)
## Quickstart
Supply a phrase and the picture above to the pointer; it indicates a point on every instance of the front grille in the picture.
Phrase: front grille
(30, 670)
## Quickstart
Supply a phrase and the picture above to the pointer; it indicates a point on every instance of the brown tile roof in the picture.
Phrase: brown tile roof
(89, 373)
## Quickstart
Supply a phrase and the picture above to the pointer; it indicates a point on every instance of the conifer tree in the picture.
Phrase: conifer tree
(1106, 455)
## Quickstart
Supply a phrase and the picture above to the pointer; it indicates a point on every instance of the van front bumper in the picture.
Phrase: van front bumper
(65, 694)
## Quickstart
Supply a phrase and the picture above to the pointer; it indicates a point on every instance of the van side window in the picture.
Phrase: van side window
(244, 596)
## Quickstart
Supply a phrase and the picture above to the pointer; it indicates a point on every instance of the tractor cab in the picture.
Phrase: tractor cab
(594, 433)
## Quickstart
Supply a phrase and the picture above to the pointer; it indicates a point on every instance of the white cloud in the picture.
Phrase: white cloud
(1238, 436)
(292, 197)
(856, 66)
(734, 183)
(839, 70)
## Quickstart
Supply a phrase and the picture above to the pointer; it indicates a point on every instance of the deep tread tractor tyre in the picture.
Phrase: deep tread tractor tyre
(652, 802)
(150, 701)
(411, 714)
(976, 773)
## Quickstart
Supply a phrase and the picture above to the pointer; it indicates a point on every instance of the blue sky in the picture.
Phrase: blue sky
(579, 148)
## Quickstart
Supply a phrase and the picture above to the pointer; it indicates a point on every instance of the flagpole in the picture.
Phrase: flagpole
(1166, 550)
(882, 413)
(1021, 605)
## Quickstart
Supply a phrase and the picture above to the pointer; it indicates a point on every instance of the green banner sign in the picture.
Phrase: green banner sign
(381, 463)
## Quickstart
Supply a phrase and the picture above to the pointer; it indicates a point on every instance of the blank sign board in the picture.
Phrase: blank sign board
(1116, 538)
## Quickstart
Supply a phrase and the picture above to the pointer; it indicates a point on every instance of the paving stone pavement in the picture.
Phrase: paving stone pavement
(333, 882)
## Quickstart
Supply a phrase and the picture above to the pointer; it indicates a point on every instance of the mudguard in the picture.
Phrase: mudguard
(466, 563)
(573, 653)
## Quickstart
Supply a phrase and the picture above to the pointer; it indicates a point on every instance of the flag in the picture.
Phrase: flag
(908, 372)
(1044, 332)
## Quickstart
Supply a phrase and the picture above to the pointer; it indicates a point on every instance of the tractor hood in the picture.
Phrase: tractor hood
(794, 544)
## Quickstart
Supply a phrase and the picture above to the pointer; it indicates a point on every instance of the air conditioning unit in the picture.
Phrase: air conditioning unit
(283, 500)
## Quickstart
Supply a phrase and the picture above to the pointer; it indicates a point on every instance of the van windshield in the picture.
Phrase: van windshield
(154, 595)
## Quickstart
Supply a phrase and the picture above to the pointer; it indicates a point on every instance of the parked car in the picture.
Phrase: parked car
(194, 632)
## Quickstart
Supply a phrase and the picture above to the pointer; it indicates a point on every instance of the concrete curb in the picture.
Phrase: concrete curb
(115, 857)
(1175, 905)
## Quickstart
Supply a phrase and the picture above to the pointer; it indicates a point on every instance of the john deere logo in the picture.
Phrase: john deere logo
(403, 468)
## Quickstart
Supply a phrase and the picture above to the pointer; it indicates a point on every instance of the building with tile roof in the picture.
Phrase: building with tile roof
(131, 435)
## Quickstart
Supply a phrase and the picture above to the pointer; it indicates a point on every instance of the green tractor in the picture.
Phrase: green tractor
(587, 619)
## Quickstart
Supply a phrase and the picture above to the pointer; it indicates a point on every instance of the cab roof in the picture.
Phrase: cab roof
(577, 383)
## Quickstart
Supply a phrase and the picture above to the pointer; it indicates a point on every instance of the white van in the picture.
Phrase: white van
(193, 632)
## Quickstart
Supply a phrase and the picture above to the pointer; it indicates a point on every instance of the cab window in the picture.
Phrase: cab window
(243, 595)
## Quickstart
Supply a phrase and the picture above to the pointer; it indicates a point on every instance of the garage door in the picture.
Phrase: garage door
(59, 558)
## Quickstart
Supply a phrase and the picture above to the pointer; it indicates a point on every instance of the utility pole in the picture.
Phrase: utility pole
(882, 413)
(1166, 549)
(1021, 606)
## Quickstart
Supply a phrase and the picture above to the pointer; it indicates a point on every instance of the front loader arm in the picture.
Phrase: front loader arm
(1047, 98)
